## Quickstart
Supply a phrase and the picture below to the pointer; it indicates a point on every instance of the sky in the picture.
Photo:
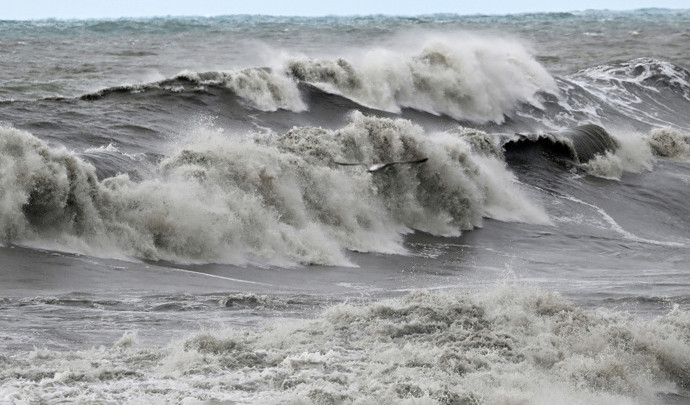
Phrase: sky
(76, 9)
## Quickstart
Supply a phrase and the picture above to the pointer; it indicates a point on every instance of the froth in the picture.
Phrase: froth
(670, 143)
(43, 189)
(275, 199)
(632, 155)
(512, 345)
(468, 78)
(637, 150)
(645, 89)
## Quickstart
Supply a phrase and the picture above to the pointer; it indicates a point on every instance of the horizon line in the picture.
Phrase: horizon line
(153, 16)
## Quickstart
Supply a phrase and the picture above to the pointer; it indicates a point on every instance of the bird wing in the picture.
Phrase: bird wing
(350, 163)
(422, 160)
(381, 166)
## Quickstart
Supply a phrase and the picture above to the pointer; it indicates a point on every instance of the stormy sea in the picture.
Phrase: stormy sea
(191, 211)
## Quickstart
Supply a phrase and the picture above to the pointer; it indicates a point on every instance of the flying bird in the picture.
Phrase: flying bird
(381, 166)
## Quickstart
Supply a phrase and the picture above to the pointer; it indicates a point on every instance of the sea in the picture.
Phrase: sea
(188, 212)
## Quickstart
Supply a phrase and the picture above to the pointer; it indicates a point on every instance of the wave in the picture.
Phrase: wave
(633, 155)
(280, 199)
(512, 344)
(635, 152)
(579, 144)
(471, 78)
(275, 199)
(474, 79)
(598, 152)
(259, 88)
(487, 82)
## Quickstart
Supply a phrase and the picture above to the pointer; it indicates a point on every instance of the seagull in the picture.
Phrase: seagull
(381, 166)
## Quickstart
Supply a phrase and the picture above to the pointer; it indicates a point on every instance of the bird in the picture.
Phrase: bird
(371, 168)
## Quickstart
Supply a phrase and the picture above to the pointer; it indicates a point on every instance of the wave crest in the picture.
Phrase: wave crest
(260, 88)
(477, 79)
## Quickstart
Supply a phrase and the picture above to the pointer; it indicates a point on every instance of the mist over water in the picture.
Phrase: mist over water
(188, 212)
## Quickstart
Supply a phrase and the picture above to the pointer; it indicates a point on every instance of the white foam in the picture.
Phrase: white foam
(633, 155)
(264, 199)
(630, 86)
(110, 148)
(636, 152)
(481, 79)
(261, 89)
(671, 143)
(512, 344)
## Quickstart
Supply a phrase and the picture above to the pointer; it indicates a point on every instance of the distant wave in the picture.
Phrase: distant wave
(258, 87)
(479, 80)
(641, 94)
(475, 79)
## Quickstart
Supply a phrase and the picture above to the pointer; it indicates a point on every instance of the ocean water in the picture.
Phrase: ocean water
(177, 224)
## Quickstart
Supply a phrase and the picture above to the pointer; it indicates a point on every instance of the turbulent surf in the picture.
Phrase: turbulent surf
(191, 211)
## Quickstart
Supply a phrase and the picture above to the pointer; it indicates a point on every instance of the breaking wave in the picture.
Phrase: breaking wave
(474, 79)
(493, 82)
(635, 152)
(275, 199)
(512, 345)
(579, 144)
(468, 78)
(259, 88)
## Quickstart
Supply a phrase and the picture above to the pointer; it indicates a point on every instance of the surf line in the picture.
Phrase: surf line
(617, 228)
(237, 280)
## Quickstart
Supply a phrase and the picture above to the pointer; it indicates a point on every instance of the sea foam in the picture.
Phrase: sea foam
(480, 79)
(512, 344)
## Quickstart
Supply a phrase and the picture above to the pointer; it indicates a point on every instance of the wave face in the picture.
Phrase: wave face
(509, 345)
(271, 198)
(579, 144)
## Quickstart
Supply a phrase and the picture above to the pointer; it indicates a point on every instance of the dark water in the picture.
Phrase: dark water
(176, 227)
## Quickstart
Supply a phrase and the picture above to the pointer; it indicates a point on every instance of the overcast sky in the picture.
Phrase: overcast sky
(67, 9)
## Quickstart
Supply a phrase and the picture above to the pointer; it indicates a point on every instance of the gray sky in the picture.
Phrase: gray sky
(35, 9)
